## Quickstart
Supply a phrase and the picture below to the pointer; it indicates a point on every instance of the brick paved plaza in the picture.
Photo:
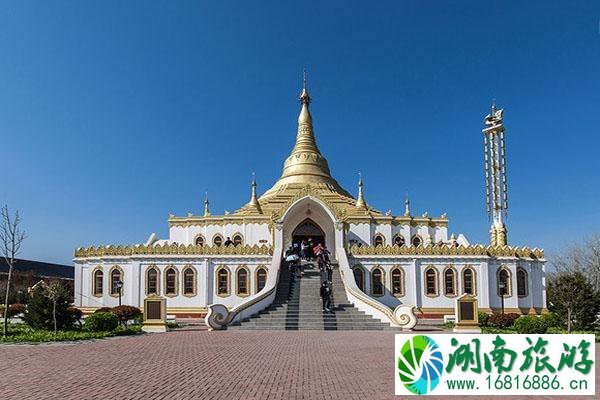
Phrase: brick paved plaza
(206, 365)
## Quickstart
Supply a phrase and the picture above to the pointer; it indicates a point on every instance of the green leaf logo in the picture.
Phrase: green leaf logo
(420, 364)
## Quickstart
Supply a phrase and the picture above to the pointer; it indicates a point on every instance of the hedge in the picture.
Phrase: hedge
(531, 324)
(101, 322)
(502, 320)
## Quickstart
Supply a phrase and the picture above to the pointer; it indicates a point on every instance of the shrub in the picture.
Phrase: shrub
(126, 313)
(76, 314)
(502, 320)
(531, 324)
(13, 310)
(483, 318)
(103, 309)
(551, 320)
(39, 312)
(101, 322)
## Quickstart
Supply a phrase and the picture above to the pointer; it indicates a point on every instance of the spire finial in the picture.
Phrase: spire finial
(304, 97)
(253, 198)
(304, 78)
(360, 201)
(493, 107)
(407, 206)
(206, 210)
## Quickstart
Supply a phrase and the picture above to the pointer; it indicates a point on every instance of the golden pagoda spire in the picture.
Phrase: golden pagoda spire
(305, 165)
(360, 201)
(254, 204)
(206, 210)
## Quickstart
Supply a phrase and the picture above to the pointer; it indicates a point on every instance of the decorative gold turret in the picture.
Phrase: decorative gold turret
(306, 165)
(360, 201)
(407, 206)
(206, 210)
(253, 204)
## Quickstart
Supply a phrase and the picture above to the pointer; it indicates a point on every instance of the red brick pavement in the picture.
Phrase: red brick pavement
(208, 365)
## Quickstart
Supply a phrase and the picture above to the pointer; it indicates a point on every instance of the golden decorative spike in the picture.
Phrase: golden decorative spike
(206, 210)
(254, 204)
(360, 201)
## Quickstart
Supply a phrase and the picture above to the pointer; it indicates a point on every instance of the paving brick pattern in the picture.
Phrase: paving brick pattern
(208, 365)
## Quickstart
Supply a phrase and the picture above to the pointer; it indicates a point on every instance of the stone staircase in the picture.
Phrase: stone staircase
(297, 306)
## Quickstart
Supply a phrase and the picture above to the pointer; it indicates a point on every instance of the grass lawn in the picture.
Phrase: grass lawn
(22, 333)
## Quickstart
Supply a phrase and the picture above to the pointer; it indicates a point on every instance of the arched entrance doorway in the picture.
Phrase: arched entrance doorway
(308, 229)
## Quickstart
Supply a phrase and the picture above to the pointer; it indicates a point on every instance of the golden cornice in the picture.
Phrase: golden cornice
(172, 249)
(448, 250)
(398, 220)
(239, 219)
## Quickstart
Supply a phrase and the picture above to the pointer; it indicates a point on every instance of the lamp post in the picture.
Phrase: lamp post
(119, 286)
(502, 287)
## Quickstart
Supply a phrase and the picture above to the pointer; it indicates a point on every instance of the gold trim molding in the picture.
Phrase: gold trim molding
(172, 249)
(447, 250)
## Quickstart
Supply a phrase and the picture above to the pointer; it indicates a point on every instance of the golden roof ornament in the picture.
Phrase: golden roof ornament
(253, 203)
(407, 206)
(206, 210)
(360, 201)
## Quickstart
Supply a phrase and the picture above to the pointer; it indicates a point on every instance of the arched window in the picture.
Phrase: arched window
(116, 281)
(521, 282)
(399, 240)
(151, 281)
(449, 282)
(261, 279)
(238, 240)
(468, 281)
(199, 241)
(170, 282)
(98, 282)
(377, 287)
(416, 241)
(189, 281)
(378, 240)
(503, 281)
(431, 282)
(242, 281)
(223, 281)
(397, 282)
(218, 240)
(359, 277)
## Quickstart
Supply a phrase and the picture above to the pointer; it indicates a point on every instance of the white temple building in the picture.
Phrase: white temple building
(393, 268)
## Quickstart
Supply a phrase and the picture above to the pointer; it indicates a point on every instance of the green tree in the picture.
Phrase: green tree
(49, 309)
(573, 298)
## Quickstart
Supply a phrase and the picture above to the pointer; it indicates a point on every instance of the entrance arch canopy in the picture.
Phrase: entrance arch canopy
(312, 210)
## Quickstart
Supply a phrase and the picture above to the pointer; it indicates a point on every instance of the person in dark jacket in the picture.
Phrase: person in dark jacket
(325, 293)
(228, 242)
(329, 269)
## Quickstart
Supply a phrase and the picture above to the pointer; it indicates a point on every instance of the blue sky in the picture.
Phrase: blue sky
(114, 114)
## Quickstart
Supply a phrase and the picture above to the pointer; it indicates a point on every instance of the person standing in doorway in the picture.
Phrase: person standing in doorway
(305, 248)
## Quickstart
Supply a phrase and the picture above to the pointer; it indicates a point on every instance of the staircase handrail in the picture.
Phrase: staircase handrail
(402, 316)
(219, 316)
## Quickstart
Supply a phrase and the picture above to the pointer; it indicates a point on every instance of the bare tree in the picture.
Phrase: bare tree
(53, 292)
(11, 239)
(584, 258)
